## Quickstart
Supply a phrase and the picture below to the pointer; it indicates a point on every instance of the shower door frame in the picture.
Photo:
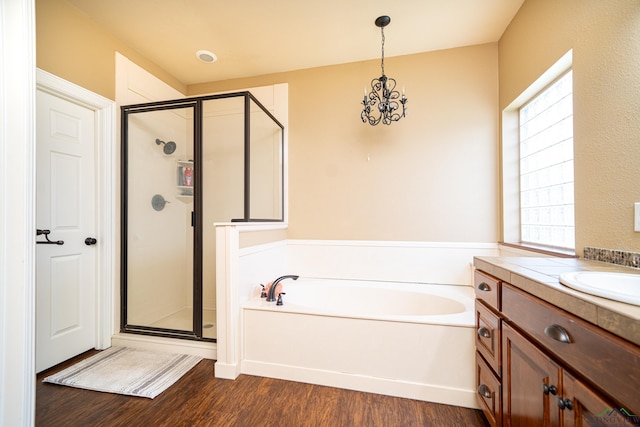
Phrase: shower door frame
(197, 218)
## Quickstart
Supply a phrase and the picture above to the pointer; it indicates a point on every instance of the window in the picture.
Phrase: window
(546, 166)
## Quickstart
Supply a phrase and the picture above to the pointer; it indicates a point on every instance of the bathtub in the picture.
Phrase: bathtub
(400, 339)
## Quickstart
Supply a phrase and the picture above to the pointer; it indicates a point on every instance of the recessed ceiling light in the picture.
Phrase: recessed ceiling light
(206, 56)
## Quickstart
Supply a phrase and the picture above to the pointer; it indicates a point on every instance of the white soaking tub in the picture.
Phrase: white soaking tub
(401, 339)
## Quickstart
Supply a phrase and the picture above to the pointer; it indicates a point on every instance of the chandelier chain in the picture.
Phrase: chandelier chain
(382, 62)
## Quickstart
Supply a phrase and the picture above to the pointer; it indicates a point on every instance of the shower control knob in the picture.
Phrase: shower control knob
(90, 241)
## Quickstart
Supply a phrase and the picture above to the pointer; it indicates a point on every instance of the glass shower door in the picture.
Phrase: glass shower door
(222, 188)
(186, 165)
(158, 231)
(265, 166)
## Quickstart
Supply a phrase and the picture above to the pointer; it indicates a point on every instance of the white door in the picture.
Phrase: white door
(65, 204)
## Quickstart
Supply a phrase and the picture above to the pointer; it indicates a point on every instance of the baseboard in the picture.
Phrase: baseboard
(205, 350)
(423, 392)
(226, 371)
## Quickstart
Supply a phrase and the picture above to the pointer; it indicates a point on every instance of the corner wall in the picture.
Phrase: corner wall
(605, 38)
(75, 48)
(432, 176)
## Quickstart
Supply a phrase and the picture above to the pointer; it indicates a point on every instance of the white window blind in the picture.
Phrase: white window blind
(546, 167)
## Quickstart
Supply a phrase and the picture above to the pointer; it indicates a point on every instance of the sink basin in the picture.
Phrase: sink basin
(621, 287)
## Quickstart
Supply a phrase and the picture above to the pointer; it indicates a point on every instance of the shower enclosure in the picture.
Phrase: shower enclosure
(187, 164)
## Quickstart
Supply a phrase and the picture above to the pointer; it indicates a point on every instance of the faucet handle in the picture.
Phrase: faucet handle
(279, 301)
(263, 293)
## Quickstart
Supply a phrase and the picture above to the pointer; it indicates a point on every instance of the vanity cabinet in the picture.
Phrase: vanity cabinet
(538, 365)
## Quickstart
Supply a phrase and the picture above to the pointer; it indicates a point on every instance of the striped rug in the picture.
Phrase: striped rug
(127, 371)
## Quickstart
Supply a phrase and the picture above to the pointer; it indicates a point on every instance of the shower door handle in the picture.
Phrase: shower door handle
(90, 241)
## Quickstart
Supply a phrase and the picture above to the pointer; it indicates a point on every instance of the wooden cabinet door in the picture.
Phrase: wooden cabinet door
(530, 383)
(582, 407)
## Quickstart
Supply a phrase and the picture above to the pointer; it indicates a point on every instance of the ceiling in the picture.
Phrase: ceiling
(255, 37)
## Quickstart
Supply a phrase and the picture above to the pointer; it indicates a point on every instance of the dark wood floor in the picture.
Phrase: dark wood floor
(199, 399)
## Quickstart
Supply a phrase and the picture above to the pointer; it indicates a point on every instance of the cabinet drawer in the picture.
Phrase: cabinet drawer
(609, 362)
(488, 336)
(489, 392)
(487, 288)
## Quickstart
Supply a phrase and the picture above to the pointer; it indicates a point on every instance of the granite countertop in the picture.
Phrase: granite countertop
(541, 277)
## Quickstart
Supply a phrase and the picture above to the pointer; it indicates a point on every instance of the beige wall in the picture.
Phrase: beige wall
(432, 176)
(605, 38)
(71, 46)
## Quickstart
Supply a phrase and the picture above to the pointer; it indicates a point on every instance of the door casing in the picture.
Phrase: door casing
(105, 153)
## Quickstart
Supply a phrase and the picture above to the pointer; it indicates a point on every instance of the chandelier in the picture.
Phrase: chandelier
(383, 103)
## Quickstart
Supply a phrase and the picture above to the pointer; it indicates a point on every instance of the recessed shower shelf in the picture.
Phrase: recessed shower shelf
(185, 194)
(185, 180)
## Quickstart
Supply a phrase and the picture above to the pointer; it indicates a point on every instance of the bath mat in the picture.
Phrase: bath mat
(127, 371)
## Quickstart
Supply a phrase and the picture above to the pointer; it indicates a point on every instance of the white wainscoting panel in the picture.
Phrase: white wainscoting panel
(420, 262)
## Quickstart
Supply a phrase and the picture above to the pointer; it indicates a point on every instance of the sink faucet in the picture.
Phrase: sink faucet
(271, 296)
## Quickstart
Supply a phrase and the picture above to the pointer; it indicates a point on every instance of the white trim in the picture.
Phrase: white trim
(206, 350)
(17, 212)
(253, 226)
(227, 306)
(368, 384)
(394, 244)
(105, 182)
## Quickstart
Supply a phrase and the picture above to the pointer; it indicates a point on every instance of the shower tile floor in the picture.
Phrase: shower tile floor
(183, 320)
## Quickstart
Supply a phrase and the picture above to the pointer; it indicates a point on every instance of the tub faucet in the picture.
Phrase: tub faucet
(271, 296)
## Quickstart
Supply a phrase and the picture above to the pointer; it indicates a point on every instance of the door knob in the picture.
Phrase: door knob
(565, 404)
(90, 241)
(546, 389)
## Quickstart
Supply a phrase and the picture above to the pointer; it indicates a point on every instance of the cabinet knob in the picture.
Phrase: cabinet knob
(484, 391)
(558, 333)
(484, 287)
(484, 332)
(546, 389)
(565, 404)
